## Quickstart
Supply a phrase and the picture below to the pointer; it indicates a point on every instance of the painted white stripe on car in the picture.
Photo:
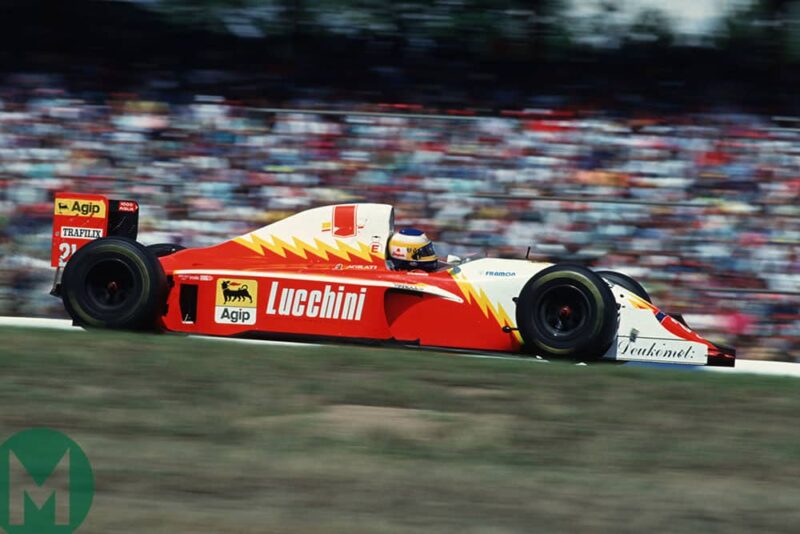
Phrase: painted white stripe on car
(419, 287)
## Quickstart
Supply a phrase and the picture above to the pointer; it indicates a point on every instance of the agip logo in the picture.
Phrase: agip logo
(236, 301)
(46, 483)
(80, 208)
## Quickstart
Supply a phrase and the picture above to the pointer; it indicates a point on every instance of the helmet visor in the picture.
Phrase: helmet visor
(424, 252)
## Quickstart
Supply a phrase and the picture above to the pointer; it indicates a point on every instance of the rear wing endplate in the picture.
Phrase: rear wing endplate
(79, 218)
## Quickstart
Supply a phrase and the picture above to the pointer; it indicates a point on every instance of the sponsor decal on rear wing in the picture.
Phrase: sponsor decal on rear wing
(79, 218)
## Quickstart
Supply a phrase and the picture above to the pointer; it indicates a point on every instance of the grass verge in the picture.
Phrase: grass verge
(190, 435)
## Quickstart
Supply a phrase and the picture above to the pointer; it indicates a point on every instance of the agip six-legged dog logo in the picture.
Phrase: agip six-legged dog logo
(236, 301)
(231, 293)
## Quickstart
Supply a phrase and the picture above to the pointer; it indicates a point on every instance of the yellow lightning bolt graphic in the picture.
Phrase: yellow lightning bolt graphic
(471, 293)
(302, 249)
(641, 304)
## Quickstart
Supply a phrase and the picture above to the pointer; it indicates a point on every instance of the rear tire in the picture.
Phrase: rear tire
(569, 312)
(114, 282)
(627, 282)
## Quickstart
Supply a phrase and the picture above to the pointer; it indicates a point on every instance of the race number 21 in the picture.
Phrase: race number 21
(65, 251)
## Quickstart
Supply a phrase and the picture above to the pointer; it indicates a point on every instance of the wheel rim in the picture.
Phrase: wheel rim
(110, 284)
(563, 311)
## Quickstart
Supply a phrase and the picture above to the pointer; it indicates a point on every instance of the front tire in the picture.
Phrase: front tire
(116, 283)
(568, 312)
(627, 282)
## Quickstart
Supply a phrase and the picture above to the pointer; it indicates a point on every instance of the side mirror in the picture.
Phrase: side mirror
(452, 258)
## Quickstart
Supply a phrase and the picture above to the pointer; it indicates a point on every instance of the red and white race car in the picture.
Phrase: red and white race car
(323, 274)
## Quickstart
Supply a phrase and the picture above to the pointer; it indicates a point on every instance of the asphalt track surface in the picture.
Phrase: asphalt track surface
(743, 366)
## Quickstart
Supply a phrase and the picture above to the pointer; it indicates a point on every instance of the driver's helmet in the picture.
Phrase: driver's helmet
(411, 249)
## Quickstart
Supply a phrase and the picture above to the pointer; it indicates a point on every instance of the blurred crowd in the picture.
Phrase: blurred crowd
(704, 209)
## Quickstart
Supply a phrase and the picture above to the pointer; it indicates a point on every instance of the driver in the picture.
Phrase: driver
(411, 249)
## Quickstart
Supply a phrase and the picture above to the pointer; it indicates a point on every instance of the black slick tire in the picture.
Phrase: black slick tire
(116, 283)
(567, 312)
(627, 282)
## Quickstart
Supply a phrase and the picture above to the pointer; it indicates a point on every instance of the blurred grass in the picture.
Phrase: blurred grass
(189, 435)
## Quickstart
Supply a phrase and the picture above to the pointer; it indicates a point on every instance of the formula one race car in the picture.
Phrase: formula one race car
(323, 274)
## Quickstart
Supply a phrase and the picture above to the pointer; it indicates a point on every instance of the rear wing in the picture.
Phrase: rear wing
(80, 218)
